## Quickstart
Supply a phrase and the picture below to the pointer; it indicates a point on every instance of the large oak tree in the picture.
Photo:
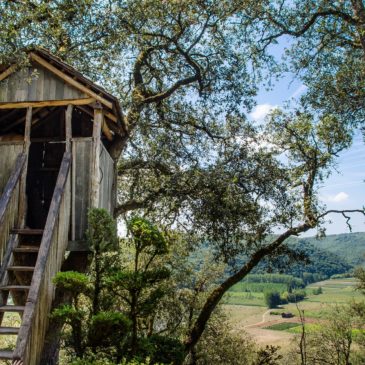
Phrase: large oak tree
(185, 73)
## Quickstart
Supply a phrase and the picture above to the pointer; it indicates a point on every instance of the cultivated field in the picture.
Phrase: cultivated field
(248, 313)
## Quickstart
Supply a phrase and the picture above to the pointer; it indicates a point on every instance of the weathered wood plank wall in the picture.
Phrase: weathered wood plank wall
(81, 168)
(9, 152)
(106, 196)
(36, 84)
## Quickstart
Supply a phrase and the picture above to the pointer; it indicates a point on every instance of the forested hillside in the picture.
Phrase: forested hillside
(349, 246)
(318, 259)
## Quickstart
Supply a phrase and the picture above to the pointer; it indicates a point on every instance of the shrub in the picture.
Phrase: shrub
(295, 296)
(317, 291)
(272, 299)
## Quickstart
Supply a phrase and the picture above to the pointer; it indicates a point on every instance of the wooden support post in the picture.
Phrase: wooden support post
(23, 181)
(68, 127)
(95, 172)
(68, 137)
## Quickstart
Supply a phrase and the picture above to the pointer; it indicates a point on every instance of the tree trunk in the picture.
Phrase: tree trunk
(217, 294)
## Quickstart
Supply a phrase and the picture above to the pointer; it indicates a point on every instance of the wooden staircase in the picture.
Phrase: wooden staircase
(16, 283)
(30, 258)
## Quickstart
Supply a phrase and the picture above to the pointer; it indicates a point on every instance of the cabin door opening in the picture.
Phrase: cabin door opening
(47, 146)
(43, 165)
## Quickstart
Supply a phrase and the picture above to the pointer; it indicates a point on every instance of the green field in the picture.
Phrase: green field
(282, 326)
(248, 313)
(244, 298)
(333, 291)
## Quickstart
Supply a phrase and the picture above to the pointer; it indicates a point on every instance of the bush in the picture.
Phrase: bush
(317, 291)
(272, 299)
(161, 349)
(295, 296)
(108, 329)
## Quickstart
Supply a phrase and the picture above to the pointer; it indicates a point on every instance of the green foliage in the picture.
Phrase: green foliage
(147, 236)
(268, 356)
(72, 282)
(282, 326)
(67, 313)
(272, 299)
(94, 323)
(161, 349)
(221, 345)
(108, 329)
(319, 259)
(98, 360)
(102, 232)
(289, 280)
(258, 287)
(317, 291)
(348, 247)
(338, 341)
(184, 72)
(294, 296)
(113, 299)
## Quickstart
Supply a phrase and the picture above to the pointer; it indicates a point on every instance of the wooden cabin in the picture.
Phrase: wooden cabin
(56, 128)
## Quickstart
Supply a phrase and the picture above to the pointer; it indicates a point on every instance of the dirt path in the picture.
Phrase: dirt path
(258, 323)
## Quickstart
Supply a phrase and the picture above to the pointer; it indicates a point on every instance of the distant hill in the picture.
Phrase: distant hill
(348, 246)
(322, 263)
(331, 255)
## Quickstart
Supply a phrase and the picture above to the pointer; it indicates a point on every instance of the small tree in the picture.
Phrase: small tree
(93, 322)
(140, 286)
(272, 299)
(120, 294)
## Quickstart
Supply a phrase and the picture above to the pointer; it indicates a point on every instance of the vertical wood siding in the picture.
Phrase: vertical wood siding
(106, 196)
(36, 84)
(9, 204)
(8, 154)
(81, 168)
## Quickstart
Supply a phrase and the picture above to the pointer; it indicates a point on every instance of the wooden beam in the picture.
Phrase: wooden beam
(23, 179)
(106, 130)
(111, 116)
(27, 130)
(70, 80)
(95, 165)
(104, 127)
(40, 104)
(68, 127)
(20, 120)
(7, 72)
(8, 115)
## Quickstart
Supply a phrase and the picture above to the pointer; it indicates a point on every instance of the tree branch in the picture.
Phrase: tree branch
(297, 33)
(167, 93)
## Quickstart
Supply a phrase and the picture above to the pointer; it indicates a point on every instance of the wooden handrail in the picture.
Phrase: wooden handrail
(50, 257)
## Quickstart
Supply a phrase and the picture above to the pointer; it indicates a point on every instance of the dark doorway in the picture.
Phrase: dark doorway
(43, 165)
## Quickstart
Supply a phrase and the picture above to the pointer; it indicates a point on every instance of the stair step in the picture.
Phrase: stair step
(28, 231)
(26, 249)
(9, 330)
(6, 355)
(15, 287)
(12, 308)
(20, 268)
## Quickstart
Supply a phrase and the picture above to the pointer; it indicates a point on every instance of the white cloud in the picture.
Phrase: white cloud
(340, 197)
(261, 111)
(299, 91)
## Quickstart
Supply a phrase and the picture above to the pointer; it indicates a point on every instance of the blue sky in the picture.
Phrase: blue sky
(345, 189)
